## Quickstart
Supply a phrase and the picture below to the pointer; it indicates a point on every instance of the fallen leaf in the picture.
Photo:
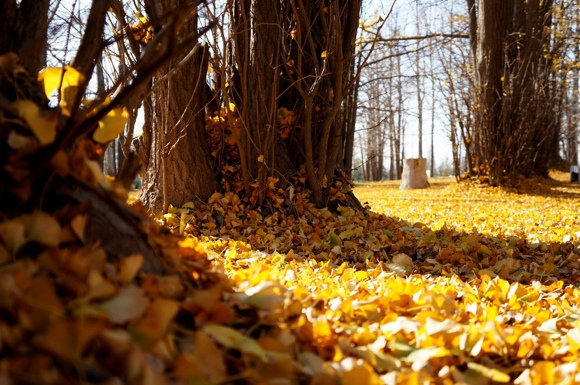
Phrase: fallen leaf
(233, 339)
(129, 303)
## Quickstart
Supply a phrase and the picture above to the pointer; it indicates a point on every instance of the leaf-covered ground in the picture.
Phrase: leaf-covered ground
(456, 283)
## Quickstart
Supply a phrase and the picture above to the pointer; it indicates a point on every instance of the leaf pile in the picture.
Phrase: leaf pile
(370, 298)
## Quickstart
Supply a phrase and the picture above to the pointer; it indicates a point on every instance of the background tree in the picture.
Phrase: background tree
(519, 118)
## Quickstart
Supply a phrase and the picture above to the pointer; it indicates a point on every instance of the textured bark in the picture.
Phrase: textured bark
(177, 163)
(113, 159)
(257, 40)
(573, 113)
(348, 128)
(276, 60)
(118, 229)
(23, 30)
(519, 117)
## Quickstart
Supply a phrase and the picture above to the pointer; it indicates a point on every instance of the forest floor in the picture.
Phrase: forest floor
(456, 283)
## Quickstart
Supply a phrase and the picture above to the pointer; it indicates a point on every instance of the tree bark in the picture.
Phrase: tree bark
(494, 18)
(24, 31)
(178, 167)
(519, 114)
(414, 174)
(113, 159)
(297, 55)
(573, 110)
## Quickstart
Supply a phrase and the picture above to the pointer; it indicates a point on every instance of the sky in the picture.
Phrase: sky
(403, 16)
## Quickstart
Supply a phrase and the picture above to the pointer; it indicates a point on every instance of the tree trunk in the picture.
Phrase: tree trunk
(295, 55)
(257, 38)
(414, 174)
(177, 163)
(284, 54)
(24, 31)
(113, 159)
(573, 113)
(494, 18)
(349, 112)
(518, 123)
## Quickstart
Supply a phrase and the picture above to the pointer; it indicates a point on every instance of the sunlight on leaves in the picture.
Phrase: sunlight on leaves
(111, 125)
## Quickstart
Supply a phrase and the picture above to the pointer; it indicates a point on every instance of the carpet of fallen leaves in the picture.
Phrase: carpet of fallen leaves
(455, 284)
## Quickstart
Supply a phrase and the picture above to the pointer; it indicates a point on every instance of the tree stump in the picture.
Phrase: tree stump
(414, 174)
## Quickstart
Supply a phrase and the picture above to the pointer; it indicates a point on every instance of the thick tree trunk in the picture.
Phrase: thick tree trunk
(414, 174)
(178, 167)
(494, 19)
(23, 30)
(518, 121)
(257, 38)
(296, 55)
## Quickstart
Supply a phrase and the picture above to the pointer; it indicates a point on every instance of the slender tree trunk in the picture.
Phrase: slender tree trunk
(418, 79)
(349, 121)
(399, 144)
(573, 112)
(433, 106)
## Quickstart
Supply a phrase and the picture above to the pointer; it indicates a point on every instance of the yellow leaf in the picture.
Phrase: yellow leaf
(51, 79)
(99, 288)
(265, 296)
(433, 326)
(129, 267)
(111, 125)
(71, 80)
(233, 339)
(150, 328)
(170, 286)
(323, 54)
(334, 239)
(68, 338)
(347, 234)
(42, 124)
(492, 374)
(42, 228)
(483, 249)
(128, 304)
(543, 373)
(78, 224)
(12, 233)
(358, 373)
(210, 358)
(261, 159)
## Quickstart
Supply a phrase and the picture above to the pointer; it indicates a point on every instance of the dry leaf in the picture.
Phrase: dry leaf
(129, 303)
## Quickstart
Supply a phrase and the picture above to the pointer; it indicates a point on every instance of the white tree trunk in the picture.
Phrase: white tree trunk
(414, 174)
